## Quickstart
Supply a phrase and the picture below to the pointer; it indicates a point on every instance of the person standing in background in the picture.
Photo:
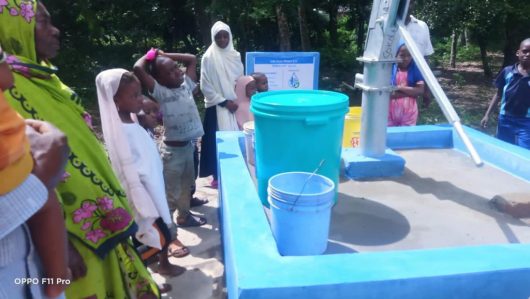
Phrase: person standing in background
(419, 31)
(513, 91)
(220, 67)
(98, 218)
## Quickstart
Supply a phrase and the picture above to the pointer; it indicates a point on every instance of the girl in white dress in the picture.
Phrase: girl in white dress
(221, 66)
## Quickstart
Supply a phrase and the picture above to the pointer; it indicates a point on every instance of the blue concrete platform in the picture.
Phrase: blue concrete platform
(255, 270)
(357, 166)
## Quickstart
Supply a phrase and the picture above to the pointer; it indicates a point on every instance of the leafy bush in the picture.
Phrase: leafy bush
(442, 52)
(468, 53)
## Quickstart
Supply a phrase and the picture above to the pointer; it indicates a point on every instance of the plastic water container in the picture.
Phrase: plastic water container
(298, 130)
(248, 129)
(300, 212)
(352, 127)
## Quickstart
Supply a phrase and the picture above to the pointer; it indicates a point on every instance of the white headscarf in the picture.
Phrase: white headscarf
(145, 212)
(243, 113)
(220, 69)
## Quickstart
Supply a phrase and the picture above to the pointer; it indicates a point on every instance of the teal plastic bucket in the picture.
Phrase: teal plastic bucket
(297, 130)
(300, 204)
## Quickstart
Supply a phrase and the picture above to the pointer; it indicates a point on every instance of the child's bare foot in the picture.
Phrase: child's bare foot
(170, 270)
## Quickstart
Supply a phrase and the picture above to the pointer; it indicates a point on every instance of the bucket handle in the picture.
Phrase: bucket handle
(306, 181)
(316, 120)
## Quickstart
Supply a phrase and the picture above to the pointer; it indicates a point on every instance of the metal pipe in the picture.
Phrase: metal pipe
(431, 81)
(438, 92)
(377, 59)
(375, 101)
(467, 143)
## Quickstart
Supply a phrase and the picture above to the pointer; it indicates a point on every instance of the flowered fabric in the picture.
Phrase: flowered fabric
(120, 274)
(39, 94)
(16, 39)
(24, 9)
(97, 216)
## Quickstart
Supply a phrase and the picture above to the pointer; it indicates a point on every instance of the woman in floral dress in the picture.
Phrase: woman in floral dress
(97, 215)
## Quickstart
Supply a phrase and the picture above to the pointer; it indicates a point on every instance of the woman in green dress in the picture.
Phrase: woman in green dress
(97, 215)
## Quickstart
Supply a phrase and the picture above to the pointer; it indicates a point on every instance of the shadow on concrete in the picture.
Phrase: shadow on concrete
(189, 285)
(444, 190)
(360, 221)
(210, 231)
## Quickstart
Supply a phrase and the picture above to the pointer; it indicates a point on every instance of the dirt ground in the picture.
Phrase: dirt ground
(204, 276)
(468, 90)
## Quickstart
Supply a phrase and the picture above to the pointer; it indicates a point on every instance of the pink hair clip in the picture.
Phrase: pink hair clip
(151, 54)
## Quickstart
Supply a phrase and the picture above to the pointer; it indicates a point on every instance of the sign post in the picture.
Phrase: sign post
(286, 70)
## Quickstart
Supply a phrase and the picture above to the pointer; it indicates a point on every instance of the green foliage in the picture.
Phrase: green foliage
(97, 35)
(431, 115)
(467, 53)
(469, 116)
(443, 52)
(341, 56)
(458, 79)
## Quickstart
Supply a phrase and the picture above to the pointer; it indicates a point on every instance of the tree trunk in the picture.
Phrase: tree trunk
(462, 39)
(243, 34)
(361, 20)
(454, 41)
(203, 21)
(510, 40)
(283, 29)
(467, 37)
(302, 21)
(484, 57)
(332, 25)
(168, 38)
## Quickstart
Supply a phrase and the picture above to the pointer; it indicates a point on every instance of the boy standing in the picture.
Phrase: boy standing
(513, 89)
(173, 89)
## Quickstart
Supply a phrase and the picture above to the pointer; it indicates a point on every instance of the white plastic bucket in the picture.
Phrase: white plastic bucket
(248, 129)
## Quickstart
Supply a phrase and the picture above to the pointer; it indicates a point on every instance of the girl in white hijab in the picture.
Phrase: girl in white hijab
(135, 159)
(220, 68)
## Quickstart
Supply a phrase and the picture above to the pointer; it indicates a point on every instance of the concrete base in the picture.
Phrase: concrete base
(489, 269)
(358, 166)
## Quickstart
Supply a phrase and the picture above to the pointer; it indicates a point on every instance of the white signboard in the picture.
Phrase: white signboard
(286, 70)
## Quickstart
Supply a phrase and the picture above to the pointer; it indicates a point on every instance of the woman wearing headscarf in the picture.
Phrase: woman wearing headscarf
(97, 216)
(221, 66)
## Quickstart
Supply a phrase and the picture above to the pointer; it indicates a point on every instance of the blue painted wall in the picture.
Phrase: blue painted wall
(255, 270)
(509, 157)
